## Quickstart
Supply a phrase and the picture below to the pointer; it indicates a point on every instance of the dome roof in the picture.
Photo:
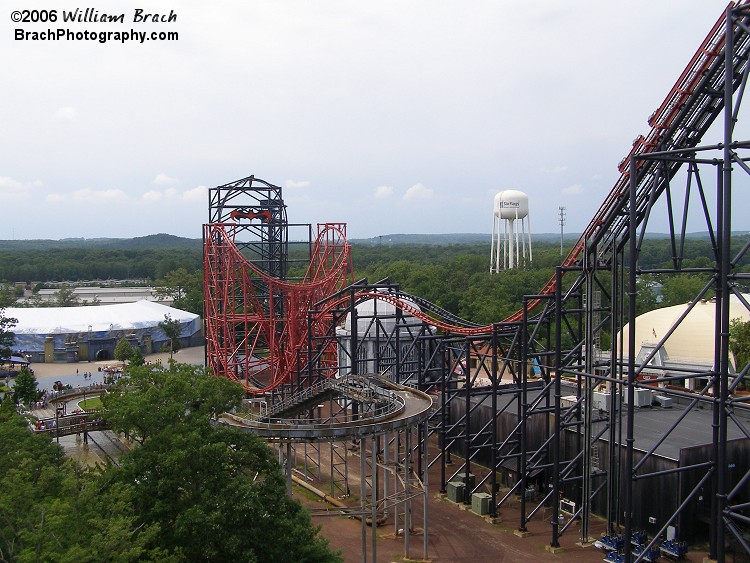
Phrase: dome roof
(693, 339)
(369, 309)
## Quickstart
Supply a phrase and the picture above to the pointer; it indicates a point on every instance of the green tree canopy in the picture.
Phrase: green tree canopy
(124, 350)
(53, 510)
(151, 398)
(213, 493)
(184, 288)
(739, 342)
(137, 358)
(6, 335)
(172, 330)
(25, 387)
(65, 297)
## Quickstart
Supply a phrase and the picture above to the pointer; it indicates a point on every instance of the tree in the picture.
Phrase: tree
(192, 474)
(6, 335)
(151, 398)
(682, 288)
(53, 510)
(65, 297)
(25, 387)
(137, 358)
(739, 344)
(183, 288)
(8, 294)
(172, 330)
(124, 350)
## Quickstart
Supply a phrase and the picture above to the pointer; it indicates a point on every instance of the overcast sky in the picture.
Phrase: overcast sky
(392, 116)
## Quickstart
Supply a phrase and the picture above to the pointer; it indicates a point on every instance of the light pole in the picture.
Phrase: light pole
(561, 219)
(89, 345)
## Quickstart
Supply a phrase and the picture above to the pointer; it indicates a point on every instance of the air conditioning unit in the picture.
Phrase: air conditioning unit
(665, 402)
(469, 481)
(641, 397)
(456, 491)
(602, 400)
(480, 503)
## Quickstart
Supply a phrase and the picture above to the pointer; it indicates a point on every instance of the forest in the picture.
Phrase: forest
(454, 276)
(191, 490)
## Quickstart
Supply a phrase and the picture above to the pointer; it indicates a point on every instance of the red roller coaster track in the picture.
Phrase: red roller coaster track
(251, 336)
(258, 330)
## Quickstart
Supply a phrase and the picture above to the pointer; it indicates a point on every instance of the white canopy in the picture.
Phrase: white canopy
(96, 318)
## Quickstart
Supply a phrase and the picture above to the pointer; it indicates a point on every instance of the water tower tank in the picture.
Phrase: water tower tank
(511, 232)
(511, 204)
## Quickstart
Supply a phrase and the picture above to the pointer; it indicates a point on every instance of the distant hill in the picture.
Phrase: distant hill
(479, 238)
(161, 240)
(166, 241)
(155, 242)
(451, 239)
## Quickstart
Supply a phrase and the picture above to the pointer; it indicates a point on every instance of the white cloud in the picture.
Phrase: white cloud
(88, 195)
(575, 189)
(66, 114)
(383, 192)
(296, 184)
(13, 190)
(164, 180)
(199, 193)
(418, 192)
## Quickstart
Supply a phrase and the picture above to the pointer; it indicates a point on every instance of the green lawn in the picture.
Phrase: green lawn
(92, 404)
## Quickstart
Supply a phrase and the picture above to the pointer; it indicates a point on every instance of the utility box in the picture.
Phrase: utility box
(480, 503)
(469, 482)
(568, 401)
(456, 491)
(603, 400)
(665, 402)
(642, 397)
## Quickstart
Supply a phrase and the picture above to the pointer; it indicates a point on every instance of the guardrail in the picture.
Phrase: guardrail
(70, 424)
(363, 389)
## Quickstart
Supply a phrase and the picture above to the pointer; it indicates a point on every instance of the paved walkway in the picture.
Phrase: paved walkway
(72, 373)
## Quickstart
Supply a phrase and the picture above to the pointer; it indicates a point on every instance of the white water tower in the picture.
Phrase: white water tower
(510, 231)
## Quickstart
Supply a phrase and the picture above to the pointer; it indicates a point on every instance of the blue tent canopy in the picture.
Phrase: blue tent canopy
(15, 360)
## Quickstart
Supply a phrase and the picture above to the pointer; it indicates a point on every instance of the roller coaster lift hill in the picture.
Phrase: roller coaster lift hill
(278, 297)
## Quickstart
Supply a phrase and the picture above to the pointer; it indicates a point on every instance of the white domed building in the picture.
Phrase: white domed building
(72, 334)
(690, 346)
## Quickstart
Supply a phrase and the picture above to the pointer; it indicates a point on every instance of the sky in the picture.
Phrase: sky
(392, 116)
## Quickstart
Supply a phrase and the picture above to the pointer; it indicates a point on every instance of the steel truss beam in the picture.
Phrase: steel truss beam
(516, 398)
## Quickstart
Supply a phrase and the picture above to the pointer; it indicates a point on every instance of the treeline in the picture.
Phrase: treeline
(456, 277)
(79, 264)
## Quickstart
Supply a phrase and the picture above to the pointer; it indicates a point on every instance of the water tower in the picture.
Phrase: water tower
(510, 231)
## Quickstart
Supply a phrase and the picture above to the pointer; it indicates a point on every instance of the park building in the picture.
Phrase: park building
(688, 345)
(104, 295)
(375, 333)
(74, 334)
(385, 339)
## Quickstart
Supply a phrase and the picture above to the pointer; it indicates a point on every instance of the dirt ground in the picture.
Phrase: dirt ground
(455, 534)
(458, 535)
